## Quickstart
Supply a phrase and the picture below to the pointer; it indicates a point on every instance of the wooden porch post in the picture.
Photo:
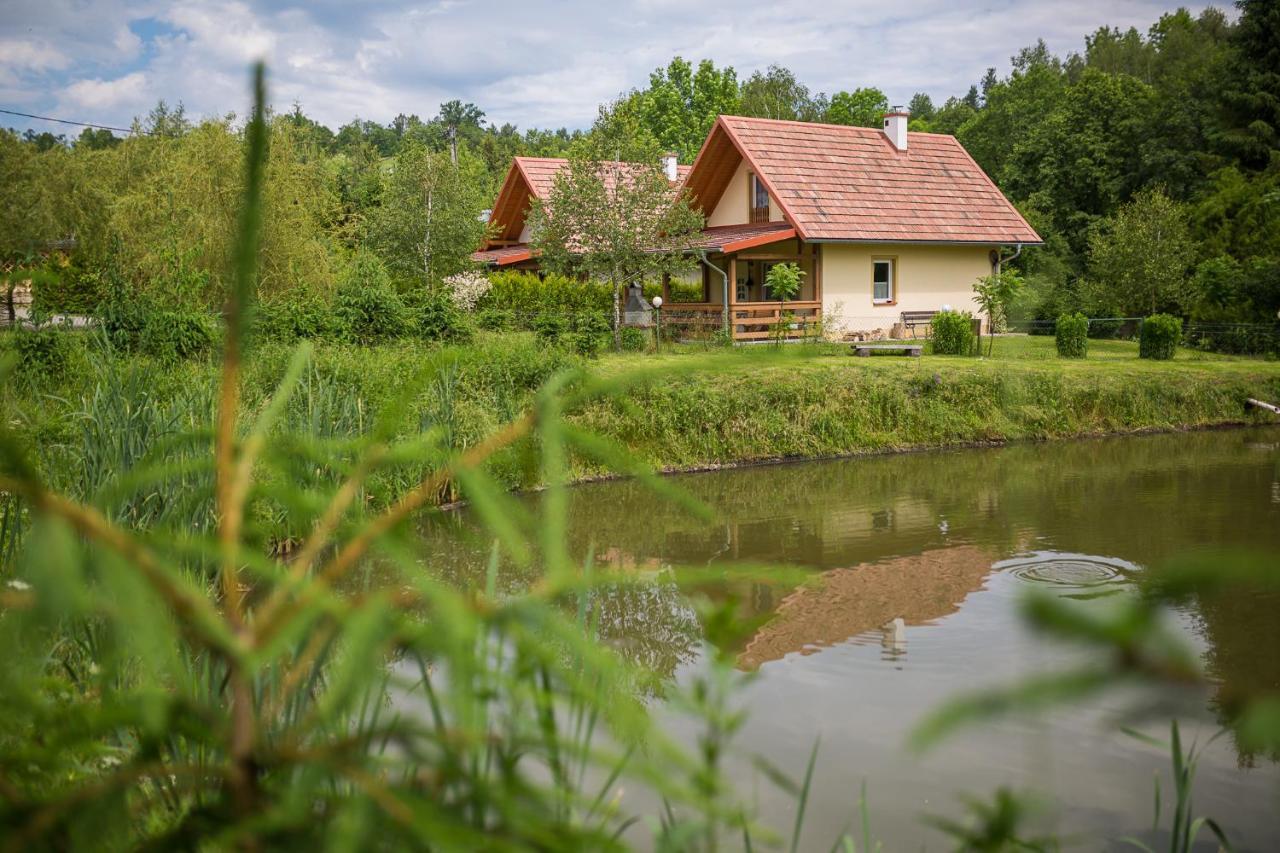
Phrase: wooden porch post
(666, 288)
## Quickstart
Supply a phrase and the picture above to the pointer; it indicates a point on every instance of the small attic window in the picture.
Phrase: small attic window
(759, 200)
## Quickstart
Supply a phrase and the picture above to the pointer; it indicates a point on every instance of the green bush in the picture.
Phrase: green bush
(634, 339)
(591, 334)
(1160, 336)
(1072, 335)
(527, 295)
(73, 288)
(174, 335)
(437, 318)
(367, 306)
(122, 316)
(44, 351)
(295, 315)
(953, 333)
(551, 326)
(494, 319)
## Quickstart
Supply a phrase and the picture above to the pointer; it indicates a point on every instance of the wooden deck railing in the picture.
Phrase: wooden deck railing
(749, 321)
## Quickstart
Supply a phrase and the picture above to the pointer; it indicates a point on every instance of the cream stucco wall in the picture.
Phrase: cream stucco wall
(927, 277)
(733, 207)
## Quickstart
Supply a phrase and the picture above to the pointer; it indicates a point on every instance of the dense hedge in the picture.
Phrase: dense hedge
(1160, 336)
(1072, 335)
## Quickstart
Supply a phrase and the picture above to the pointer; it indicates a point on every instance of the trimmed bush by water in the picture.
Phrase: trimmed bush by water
(953, 333)
(1161, 334)
(1072, 334)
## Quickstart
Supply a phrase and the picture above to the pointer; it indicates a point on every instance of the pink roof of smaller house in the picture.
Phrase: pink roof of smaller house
(834, 182)
(503, 255)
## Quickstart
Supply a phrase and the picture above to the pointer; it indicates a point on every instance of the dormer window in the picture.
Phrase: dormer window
(759, 200)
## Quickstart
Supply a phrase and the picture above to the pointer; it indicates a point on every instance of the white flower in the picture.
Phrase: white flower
(467, 289)
(20, 586)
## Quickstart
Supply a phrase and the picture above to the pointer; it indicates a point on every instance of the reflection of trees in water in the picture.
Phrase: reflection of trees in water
(650, 623)
(635, 608)
(1243, 653)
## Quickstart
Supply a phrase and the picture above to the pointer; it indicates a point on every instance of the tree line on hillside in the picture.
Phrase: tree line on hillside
(1150, 163)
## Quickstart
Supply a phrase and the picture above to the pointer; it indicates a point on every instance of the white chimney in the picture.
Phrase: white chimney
(669, 164)
(895, 126)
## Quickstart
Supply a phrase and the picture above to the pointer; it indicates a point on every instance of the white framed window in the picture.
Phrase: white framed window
(884, 287)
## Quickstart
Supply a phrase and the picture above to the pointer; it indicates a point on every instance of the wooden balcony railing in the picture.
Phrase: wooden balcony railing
(760, 214)
(749, 321)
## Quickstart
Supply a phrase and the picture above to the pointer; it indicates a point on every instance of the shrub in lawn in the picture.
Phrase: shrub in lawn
(1161, 334)
(590, 334)
(175, 335)
(1072, 334)
(43, 351)
(367, 306)
(953, 333)
(634, 339)
(436, 317)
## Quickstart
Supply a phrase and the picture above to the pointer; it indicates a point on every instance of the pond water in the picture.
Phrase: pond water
(921, 560)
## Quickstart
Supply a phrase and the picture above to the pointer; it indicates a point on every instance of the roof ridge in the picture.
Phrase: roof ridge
(854, 127)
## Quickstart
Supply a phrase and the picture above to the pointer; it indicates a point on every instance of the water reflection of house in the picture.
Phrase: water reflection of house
(844, 603)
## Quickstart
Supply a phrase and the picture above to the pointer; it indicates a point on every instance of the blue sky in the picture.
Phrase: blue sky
(543, 64)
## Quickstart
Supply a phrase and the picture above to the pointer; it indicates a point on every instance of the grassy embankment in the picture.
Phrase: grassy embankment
(691, 408)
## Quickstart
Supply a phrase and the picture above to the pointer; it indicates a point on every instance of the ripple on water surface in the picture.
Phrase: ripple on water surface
(1075, 571)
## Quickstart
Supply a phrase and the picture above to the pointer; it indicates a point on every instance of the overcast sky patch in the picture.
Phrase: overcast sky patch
(530, 64)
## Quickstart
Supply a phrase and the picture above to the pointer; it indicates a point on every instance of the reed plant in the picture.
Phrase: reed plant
(170, 682)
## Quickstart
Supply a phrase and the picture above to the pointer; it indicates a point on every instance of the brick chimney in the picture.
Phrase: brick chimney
(895, 126)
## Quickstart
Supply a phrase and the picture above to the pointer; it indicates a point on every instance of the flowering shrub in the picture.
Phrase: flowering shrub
(467, 289)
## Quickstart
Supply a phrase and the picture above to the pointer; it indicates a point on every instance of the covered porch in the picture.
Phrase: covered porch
(730, 288)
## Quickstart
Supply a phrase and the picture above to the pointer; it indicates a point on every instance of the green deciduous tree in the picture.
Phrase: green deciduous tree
(681, 104)
(776, 93)
(996, 294)
(621, 225)
(860, 108)
(428, 223)
(1140, 258)
(1085, 157)
(456, 116)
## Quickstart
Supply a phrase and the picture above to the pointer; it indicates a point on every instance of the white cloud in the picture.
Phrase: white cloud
(30, 55)
(131, 91)
(530, 63)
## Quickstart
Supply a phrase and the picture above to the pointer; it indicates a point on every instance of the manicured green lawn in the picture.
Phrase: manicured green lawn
(1011, 353)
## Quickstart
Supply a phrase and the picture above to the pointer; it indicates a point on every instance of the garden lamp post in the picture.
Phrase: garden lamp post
(657, 328)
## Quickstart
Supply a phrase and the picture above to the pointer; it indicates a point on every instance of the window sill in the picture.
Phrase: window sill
(883, 303)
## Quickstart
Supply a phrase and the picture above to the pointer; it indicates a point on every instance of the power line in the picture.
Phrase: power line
(69, 121)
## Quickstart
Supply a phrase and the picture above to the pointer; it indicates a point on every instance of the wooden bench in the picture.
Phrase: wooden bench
(865, 350)
(912, 319)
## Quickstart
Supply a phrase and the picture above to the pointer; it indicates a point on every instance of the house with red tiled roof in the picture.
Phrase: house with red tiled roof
(531, 178)
(888, 225)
